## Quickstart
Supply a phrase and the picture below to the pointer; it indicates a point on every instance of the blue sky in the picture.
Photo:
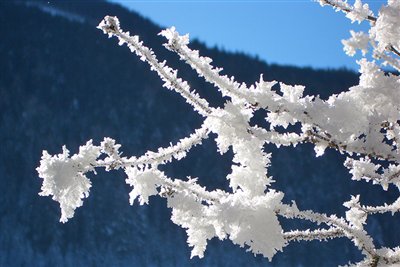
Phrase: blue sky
(295, 32)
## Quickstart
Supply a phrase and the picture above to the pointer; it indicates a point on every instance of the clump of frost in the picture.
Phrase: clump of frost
(355, 215)
(144, 183)
(64, 177)
(387, 27)
(359, 12)
(357, 41)
(249, 222)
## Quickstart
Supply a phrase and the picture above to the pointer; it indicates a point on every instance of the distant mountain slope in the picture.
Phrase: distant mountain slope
(63, 82)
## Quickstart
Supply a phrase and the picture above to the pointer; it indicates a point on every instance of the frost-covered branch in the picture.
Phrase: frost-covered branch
(110, 26)
(357, 12)
(310, 235)
(273, 137)
(202, 65)
(361, 122)
(150, 158)
(359, 236)
(365, 169)
(358, 213)
(384, 26)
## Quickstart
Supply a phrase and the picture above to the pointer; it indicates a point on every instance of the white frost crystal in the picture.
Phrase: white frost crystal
(144, 183)
(357, 41)
(387, 27)
(64, 177)
(355, 215)
(250, 222)
(360, 12)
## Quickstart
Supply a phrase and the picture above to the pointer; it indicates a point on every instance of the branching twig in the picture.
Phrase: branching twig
(110, 26)
(346, 8)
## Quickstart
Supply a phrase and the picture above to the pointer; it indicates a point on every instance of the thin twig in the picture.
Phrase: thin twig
(372, 19)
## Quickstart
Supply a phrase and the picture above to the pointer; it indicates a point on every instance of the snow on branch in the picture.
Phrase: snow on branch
(150, 158)
(110, 26)
(362, 122)
(309, 235)
(357, 12)
(385, 27)
(202, 65)
(365, 169)
(64, 177)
